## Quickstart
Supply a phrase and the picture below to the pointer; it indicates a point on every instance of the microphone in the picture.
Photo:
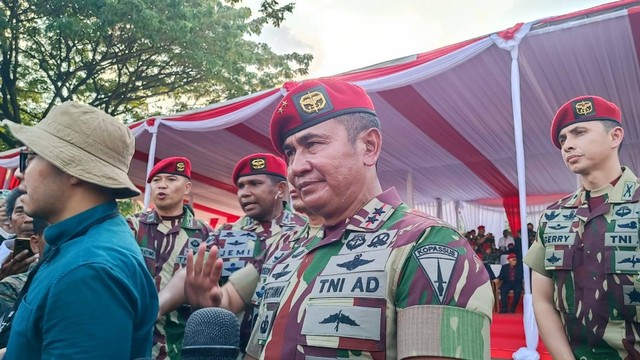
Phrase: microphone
(211, 334)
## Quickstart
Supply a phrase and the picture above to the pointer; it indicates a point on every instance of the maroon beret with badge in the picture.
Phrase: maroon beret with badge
(173, 165)
(261, 163)
(581, 109)
(314, 101)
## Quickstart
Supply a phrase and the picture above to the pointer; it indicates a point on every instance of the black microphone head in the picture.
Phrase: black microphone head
(211, 334)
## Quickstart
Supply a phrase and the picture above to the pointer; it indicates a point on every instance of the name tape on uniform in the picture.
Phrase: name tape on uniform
(273, 291)
(342, 321)
(559, 239)
(621, 239)
(370, 285)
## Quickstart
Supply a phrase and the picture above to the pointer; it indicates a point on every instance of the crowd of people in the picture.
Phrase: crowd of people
(323, 264)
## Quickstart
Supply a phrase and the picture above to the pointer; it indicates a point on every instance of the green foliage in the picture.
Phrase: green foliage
(119, 54)
(128, 207)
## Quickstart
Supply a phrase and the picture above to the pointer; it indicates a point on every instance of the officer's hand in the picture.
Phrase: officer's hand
(201, 287)
(17, 264)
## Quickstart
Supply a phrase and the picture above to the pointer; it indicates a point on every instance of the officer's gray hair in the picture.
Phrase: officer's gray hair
(357, 123)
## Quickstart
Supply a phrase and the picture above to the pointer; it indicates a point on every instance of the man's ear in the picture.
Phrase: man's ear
(33, 244)
(372, 141)
(617, 134)
(187, 187)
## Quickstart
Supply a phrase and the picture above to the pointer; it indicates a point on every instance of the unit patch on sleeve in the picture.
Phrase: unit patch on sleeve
(437, 262)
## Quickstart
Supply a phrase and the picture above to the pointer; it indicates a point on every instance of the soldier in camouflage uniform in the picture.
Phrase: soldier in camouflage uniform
(262, 190)
(165, 235)
(586, 290)
(383, 281)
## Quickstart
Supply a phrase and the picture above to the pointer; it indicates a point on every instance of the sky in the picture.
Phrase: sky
(345, 35)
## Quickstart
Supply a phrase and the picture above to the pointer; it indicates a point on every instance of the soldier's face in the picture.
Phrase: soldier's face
(587, 147)
(168, 191)
(326, 169)
(258, 198)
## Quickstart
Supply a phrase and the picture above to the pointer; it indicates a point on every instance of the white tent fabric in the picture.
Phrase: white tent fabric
(469, 122)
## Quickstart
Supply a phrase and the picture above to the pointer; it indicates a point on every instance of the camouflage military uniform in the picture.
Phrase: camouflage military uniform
(593, 259)
(11, 285)
(164, 243)
(244, 242)
(381, 277)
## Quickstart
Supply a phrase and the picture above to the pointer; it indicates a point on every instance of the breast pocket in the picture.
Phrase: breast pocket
(623, 267)
(22, 323)
(560, 261)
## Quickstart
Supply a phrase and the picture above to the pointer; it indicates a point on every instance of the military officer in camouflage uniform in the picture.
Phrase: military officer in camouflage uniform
(164, 235)
(586, 291)
(262, 190)
(383, 281)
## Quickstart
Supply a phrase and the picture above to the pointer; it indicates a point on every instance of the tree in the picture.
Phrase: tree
(119, 54)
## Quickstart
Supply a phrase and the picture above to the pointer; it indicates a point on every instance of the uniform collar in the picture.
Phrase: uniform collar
(623, 191)
(188, 218)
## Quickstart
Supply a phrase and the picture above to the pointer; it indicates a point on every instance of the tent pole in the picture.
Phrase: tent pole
(510, 42)
(150, 162)
(439, 208)
(410, 188)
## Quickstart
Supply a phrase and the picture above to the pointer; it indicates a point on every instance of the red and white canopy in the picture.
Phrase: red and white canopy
(452, 119)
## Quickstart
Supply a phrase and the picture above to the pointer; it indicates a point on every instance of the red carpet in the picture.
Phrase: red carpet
(507, 335)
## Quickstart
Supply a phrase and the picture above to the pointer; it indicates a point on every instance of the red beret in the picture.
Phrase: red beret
(581, 109)
(260, 163)
(480, 227)
(314, 101)
(173, 165)
(511, 256)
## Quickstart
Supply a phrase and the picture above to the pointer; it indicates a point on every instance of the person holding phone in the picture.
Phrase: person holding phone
(34, 245)
(22, 226)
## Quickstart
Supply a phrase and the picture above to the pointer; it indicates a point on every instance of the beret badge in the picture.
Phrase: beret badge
(258, 164)
(584, 108)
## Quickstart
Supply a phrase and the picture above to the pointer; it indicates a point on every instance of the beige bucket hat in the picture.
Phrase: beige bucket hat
(84, 142)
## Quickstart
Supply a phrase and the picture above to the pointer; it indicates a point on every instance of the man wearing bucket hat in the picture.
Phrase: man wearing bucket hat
(91, 295)
(165, 234)
(585, 284)
(383, 280)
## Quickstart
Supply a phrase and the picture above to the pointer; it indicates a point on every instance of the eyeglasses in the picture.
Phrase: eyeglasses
(24, 159)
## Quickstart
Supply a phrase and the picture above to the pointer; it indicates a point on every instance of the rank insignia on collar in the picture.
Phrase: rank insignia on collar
(628, 190)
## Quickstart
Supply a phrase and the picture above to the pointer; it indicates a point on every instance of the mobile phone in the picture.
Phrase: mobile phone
(21, 244)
